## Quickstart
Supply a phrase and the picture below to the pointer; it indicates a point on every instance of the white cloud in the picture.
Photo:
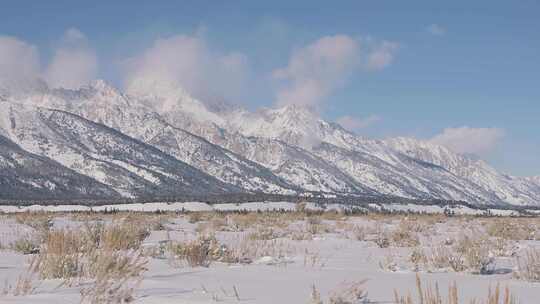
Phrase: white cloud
(357, 123)
(316, 70)
(188, 61)
(436, 30)
(74, 63)
(382, 55)
(477, 141)
(19, 63)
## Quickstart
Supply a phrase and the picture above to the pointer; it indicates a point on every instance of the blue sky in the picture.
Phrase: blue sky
(452, 65)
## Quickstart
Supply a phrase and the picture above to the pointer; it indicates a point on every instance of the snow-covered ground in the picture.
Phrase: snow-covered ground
(260, 206)
(284, 267)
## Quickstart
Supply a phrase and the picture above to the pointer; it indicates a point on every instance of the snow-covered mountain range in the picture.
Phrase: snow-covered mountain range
(156, 141)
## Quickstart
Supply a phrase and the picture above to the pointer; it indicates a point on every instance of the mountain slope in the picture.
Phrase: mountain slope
(400, 166)
(27, 176)
(101, 103)
(509, 189)
(158, 140)
(131, 167)
(428, 180)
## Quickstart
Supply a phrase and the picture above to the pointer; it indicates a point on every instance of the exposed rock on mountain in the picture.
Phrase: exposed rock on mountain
(28, 176)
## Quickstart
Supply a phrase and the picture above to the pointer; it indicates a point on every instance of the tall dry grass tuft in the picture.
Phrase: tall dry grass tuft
(529, 266)
(107, 257)
(382, 237)
(475, 254)
(428, 294)
(128, 235)
(432, 295)
(26, 245)
(497, 296)
(405, 235)
(347, 293)
(25, 285)
(40, 221)
(201, 252)
(59, 256)
(315, 296)
(115, 276)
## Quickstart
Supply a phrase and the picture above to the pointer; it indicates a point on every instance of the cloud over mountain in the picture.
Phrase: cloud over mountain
(477, 141)
(74, 63)
(188, 61)
(19, 63)
(356, 123)
(316, 70)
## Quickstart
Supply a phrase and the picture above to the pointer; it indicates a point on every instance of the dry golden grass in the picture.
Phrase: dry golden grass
(359, 233)
(201, 252)
(265, 234)
(474, 254)
(347, 293)
(59, 256)
(77, 254)
(66, 254)
(432, 295)
(513, 229)
(529, 266)
(418, 258)
(106, 256)
(24, 285)
(404, 235)
(382, 236)
(388, 263)
(115, 276)
(40, 221)
(26, 245)
(128, 235)
(246, 250)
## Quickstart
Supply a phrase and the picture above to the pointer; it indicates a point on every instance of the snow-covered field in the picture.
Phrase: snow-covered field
(268, 257)
(262, 206)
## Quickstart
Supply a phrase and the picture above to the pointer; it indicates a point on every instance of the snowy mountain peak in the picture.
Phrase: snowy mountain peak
(271, 150)
(295, 111)
(170, 99)
(103, 88)
(292, 124)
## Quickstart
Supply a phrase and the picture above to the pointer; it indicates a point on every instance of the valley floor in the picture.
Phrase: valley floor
(265, 257)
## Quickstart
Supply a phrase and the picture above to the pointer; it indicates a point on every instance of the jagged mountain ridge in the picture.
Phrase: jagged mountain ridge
(473, 180)
(106, 105)
(287, 150)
